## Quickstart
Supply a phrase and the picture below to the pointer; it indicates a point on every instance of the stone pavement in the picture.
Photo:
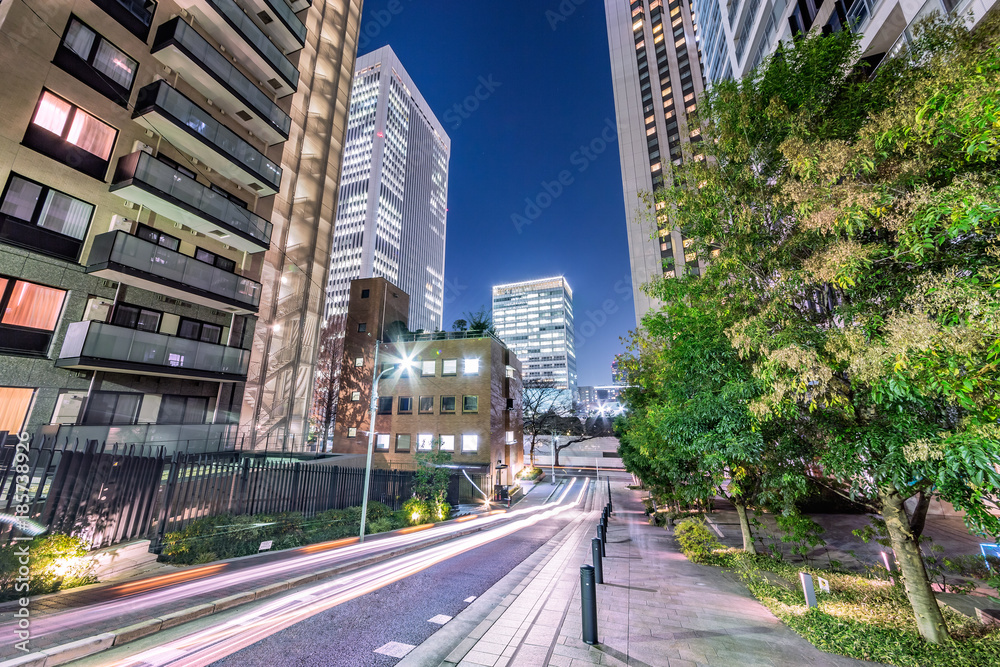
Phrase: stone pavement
(655, 608)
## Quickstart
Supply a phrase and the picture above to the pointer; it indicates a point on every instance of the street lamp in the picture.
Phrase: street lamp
(376, 376)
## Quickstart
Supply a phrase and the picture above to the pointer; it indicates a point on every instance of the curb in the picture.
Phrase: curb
(88, 646)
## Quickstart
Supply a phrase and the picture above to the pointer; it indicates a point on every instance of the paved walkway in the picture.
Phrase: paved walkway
(655, 608)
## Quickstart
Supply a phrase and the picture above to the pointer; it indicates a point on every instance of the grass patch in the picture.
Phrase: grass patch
(865, 616)
(55, 563)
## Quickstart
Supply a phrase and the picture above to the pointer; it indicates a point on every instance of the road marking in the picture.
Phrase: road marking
(395, 649)
(440, 619)
(470, 598)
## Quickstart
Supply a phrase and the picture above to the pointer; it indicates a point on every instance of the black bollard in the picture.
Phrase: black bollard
(611, 507)
(595, 549)
(600, 536)
(588, 601)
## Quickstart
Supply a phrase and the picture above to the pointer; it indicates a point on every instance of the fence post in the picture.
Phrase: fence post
(168, 497)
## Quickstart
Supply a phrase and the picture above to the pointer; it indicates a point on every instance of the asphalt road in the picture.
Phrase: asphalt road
(348, 634)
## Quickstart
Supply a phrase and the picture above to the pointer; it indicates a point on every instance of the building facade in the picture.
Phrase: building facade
(461, 393)
(144, 164)
(535, 318)
(657, 80)
(392, 215)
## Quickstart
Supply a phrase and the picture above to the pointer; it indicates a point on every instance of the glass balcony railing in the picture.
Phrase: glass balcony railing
(162, 265)
(175, 189)
(92, 344)
(256, 38)
(191, 438)
(288, 17)
(135, 15)
(177, 32)
(160, 97)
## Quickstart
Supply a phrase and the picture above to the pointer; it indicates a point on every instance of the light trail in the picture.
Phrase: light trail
(134, 598)
(211, 644)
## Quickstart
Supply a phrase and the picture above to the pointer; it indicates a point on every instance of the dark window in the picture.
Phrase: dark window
(135, 15)
(182, 410)
(198, 330)
(403, 442)
(447, 404)
(426, 404)
(362, 327)
(405, 405)
(97, 62)
(470, 404)
(35, 216)
(68, 134)
(28, 315)
(385, 405)
(135, 317)
(364, 293)
(217, 261)
(106, 407)
(174, 164)
(157, 237)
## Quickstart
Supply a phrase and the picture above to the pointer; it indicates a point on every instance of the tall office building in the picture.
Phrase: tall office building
(656, 74)
(149, 153)
(738, 34)
(535, 319)
(392, 213)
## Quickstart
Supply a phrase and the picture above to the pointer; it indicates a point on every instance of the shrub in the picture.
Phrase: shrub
(530, 474)
(696, 540)
(57, 562)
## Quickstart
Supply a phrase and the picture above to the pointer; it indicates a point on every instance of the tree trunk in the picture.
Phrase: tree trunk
(531, 452)
(930, 620)
(748, 545)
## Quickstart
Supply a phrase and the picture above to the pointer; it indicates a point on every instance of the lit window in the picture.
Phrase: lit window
(30, 305)
(470, 443)
(471, 367)
(355, 395)
(107, 63)
(14, 405)
(470, 404)
(427, 367)
(56, 122)
(447, 443)
(359, 362)
(382, 441)
(352, 432)
(449, 367)
(425, 442)
(510, 438)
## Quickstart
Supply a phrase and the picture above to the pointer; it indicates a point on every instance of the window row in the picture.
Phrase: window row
(428, 368)
(426, 442)
(425, 404)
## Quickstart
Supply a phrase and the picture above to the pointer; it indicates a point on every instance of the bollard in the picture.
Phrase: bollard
(807, 588)
(604, 532)
(588, 602)
(595, 548)
(600, 536)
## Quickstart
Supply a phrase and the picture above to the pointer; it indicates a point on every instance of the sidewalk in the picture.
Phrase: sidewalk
(655, 608)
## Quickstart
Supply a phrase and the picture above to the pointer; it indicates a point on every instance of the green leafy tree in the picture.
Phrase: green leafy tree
(851, 224)
(430, 481)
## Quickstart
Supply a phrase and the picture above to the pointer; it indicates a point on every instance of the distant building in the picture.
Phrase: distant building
(392, 214)
(535, 318)
(462, 395)
(604, 399)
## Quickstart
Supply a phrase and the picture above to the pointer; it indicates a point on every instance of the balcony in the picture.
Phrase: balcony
(299, 5)
(99, 346)
(279, 22)
(229, 25)
(133, 261)
(191, 438)
(142, 179)
(190, 128)
(135, 15)
(179, 46)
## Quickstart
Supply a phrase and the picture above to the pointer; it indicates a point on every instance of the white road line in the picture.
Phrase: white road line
(440, 619)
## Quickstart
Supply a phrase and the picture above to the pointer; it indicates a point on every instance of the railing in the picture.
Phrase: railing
(445, 335)
(256, 37)
(99, 341)
(160, 96)
(193, 438)
(902, 44)
(136, 15)
(197, 48)
(135, 253)
(288, 17)
(205, 202)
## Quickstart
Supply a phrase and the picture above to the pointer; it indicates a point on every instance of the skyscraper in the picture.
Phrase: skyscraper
(392, 214)
(149, 155)
(656, 74)
(535, 319)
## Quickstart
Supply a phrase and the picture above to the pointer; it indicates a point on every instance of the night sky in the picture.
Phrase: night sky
(543, 79)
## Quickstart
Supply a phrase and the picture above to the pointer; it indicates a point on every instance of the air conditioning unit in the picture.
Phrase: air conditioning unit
(119, 223)
(142, 146)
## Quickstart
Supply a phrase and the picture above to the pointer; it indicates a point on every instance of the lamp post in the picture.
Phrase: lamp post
(500, 467)
(376, 376)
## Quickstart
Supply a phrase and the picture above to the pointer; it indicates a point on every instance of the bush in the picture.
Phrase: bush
(530, 474)
(696, 540)
(57, 562)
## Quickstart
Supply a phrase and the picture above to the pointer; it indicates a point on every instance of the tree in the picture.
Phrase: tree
(852, 224)
(543, 406)
(430, 481)
(327, 380)
(460, 325)
(481, 321)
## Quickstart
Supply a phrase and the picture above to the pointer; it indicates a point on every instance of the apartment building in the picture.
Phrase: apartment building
(455, 392)
(147, 154)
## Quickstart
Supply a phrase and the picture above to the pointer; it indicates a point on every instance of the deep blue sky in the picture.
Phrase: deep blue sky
(554, 97)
